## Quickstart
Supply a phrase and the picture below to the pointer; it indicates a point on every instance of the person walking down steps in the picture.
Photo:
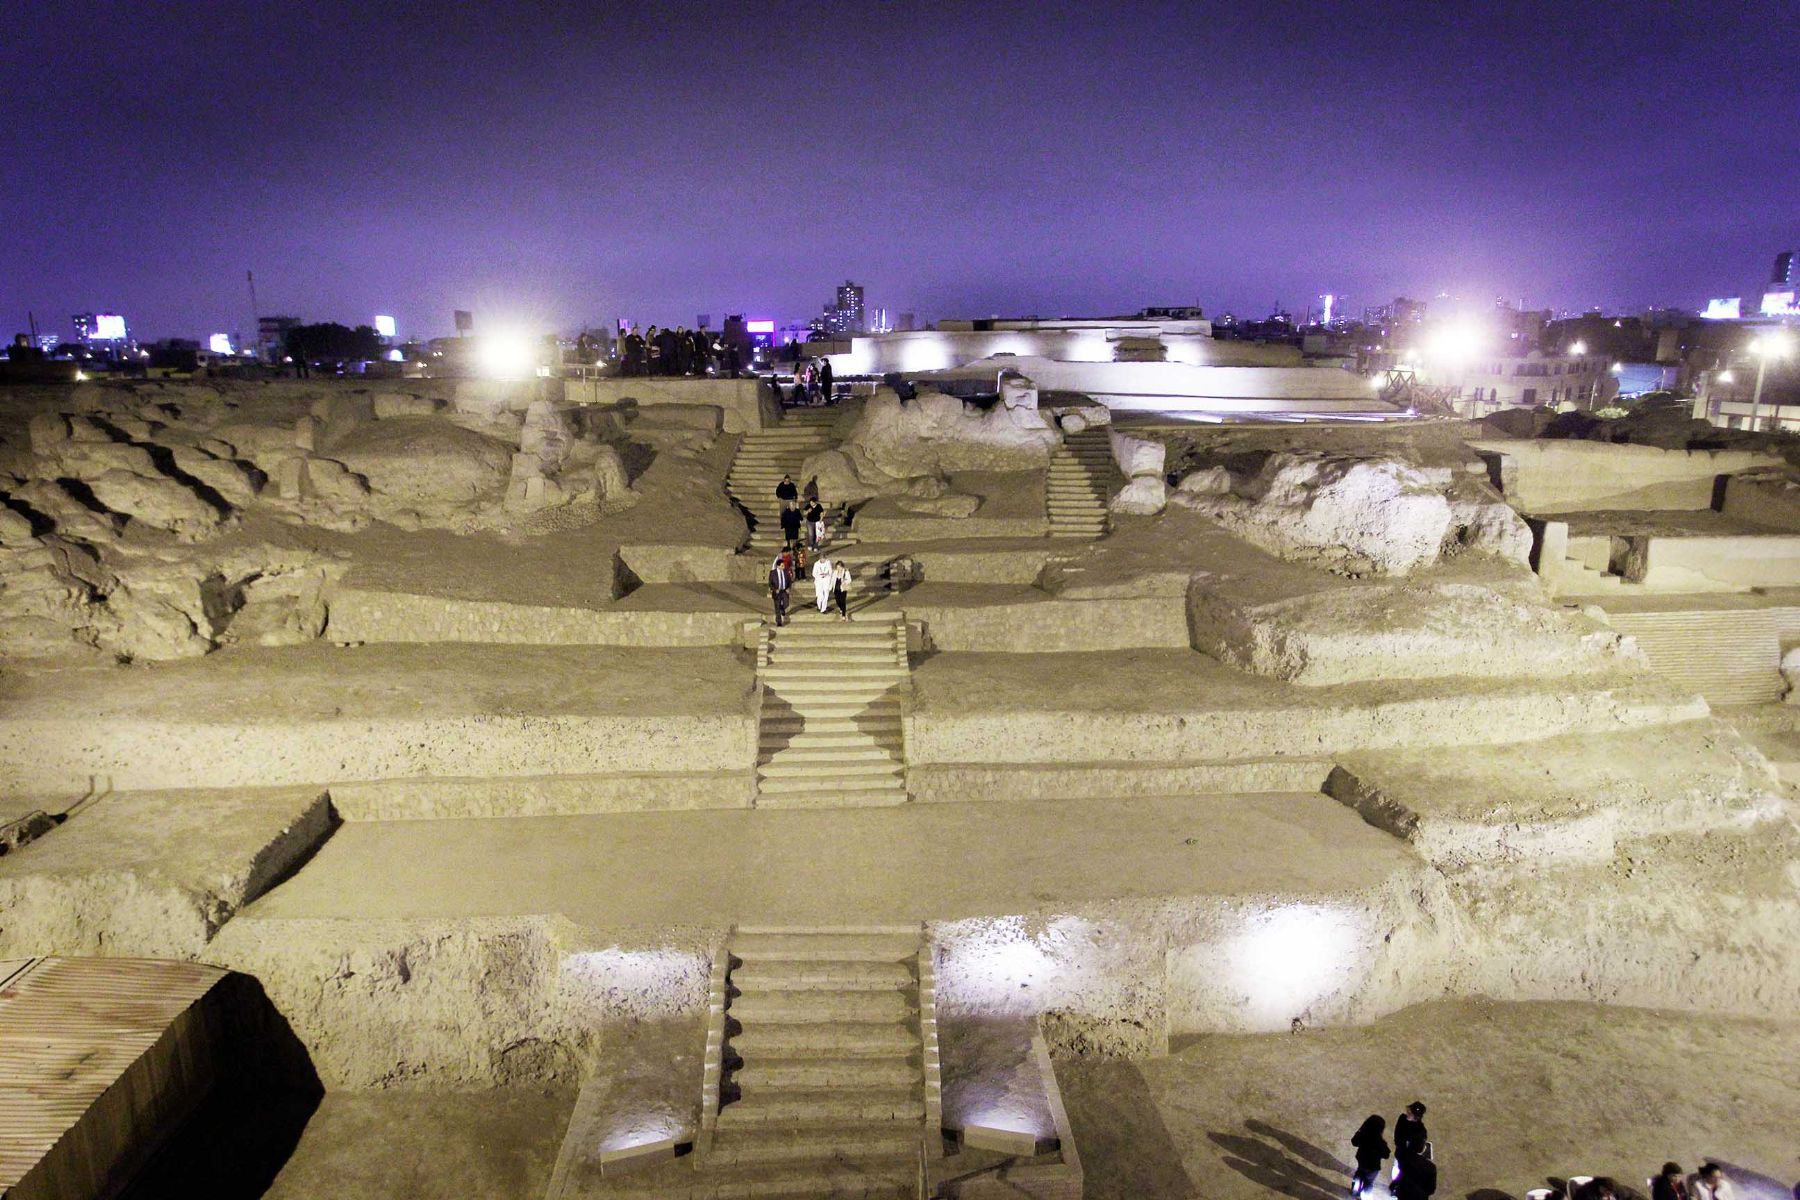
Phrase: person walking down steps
(815, 523)
(790, 526)
(824, 579)
(840, 588)
(781, 582)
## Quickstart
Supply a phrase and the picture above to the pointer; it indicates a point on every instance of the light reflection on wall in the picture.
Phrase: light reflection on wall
(615, 983)
(1284, 961)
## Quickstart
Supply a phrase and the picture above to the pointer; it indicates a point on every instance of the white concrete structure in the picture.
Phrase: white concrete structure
(1179, 387)
(1486, 383)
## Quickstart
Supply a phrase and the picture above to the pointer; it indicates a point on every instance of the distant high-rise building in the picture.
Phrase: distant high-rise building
(906, 322)
(84, 327)
(1783, 274)
(850, 309)
(271, 335)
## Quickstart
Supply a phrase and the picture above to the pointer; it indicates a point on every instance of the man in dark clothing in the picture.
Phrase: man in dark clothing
(1418, 1174)
(790, 525)
(1409, 1132)
(786, 489)
(781, 582)
(824, 380)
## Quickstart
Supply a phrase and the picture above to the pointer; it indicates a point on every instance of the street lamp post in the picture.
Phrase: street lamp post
(1775, 345)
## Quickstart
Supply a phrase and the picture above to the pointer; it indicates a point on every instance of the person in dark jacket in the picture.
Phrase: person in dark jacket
(790, 525)
(1409, 1133)
(1671, 1184)
(1418, 1174)
(787, 490)
(815, 523)
(1371, 1152)
(825, 381)
(781, 584)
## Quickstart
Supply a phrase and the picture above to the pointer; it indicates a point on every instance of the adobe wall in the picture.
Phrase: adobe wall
(1576, 476)
(1768, 500)
(748, 404)
(1679, 563)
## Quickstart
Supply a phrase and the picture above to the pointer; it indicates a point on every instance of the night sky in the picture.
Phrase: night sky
(562, 164)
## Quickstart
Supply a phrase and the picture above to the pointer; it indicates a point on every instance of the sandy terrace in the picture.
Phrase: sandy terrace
(908, 863)
(1516, 1093)
(319, 681)
(1131, 681)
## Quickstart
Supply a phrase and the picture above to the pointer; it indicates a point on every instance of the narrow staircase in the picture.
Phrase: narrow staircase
(831, 733)
(766, 455)
(831, 1086)
(1082, 473)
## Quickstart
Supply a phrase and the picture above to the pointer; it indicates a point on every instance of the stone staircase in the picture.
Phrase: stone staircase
(831, 733)
(766, 455)
(1730, 655)
(1082, 472)
(831, 1081)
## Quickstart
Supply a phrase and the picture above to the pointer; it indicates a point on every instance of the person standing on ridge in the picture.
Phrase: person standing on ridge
(824, 381)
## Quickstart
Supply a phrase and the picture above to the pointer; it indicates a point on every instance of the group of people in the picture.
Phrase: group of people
(831, 584)
(679, 352)
(801, 523)
(812, 382)
(831, 580)
(1415, 1174)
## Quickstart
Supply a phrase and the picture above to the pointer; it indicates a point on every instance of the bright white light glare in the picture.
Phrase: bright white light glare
(1578, 349)
(394, 355)
(81, 377)
(384, 326)
(1618, 368)
(506, 355)
(1772, 345)
(108, 327)
(1455, 343)
(1286, 960)
(219, 343)
(1726, 377)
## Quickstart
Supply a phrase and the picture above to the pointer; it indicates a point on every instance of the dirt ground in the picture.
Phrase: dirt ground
(1516, 1093)
(426, 1146)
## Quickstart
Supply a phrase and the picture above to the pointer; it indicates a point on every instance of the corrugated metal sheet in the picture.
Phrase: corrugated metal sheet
(70, 1028)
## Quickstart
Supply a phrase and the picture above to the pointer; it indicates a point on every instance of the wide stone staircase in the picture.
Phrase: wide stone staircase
(831, 1081)
(766, 455)
(831, 733)
(1082, 473)
(1728, 655)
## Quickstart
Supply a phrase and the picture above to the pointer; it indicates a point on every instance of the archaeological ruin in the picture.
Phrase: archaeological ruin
(407, 790)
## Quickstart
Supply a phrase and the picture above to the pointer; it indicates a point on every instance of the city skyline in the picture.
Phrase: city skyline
(556, 166)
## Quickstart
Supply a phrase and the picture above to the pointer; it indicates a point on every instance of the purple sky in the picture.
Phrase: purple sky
(562, 164)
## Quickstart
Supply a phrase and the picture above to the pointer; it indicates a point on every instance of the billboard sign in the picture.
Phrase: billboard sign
(108, 327)
(219, 343)
(1723, 309)
(1779, 304)
(465, 321)
(384, 326)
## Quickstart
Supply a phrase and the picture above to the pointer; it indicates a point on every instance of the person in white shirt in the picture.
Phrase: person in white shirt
(1710, 1184)
(822, 584)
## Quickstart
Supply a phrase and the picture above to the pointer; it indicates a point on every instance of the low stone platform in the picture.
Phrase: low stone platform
(1572, 798)
(318, 714)
(1134, 706)
(154, 874)
(883, 865)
